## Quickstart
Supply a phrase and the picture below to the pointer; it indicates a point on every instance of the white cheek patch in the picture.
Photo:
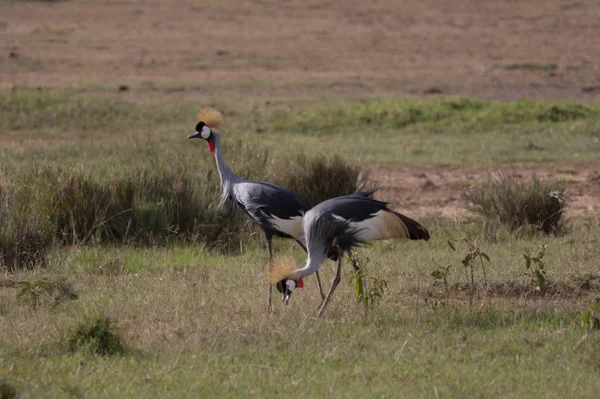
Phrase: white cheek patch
(291, 284)
(205, 132)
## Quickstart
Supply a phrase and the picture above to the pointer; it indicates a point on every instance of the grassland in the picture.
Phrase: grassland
(121, 278)
(62, 124)
(195, 325)
(194, 319)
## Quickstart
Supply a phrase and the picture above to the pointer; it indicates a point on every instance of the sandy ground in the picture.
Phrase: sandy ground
(503, 50)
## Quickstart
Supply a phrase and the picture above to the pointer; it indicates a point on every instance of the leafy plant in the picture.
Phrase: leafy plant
(473, 253)
(365, 294)
(534, 264)
(590, 319)
(50, 292)
(440, 277)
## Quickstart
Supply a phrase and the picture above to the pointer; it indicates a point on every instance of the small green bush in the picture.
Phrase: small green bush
(98, 337)
(566, 112)
(517, 204)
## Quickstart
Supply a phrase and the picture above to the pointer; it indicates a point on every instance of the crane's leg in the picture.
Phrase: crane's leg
(334, 283)
(316, 275)
(270, 246)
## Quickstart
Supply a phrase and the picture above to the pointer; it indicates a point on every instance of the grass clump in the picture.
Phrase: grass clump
(25, 232)
(321, 177)
(529, 66)
(565, 112)
(46, 292)
(7, 390)
(517, 204)
(155, 200)
(98, 337)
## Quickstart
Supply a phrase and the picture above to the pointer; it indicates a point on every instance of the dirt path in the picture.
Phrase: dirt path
(425, 190)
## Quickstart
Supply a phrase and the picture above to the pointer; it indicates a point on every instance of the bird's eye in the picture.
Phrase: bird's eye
(291, 285)
(205, 132)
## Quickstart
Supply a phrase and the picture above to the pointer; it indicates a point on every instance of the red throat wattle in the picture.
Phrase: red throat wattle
(300, 283)
(211, 145)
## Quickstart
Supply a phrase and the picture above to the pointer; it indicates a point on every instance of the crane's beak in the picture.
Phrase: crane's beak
(194, 135)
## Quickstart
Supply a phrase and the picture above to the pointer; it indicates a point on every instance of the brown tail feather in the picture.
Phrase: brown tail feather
(415, 230)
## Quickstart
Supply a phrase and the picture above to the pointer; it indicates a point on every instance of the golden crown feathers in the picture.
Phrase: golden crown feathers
(281, 268)
(210, 116)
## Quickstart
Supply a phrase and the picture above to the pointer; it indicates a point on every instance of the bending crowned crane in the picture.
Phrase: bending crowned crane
(276, 210)
(342, 223)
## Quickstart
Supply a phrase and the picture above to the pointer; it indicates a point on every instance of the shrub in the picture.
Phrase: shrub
(25, 234)
(148, 200)
(98, 337)
(46, 292)
(320, 178)
(7, 391)
(517, 204)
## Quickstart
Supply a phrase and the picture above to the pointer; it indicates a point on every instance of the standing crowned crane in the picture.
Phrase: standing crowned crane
(342, 223)
(276, 210)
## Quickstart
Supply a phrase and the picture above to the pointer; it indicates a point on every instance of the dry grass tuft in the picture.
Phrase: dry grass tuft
(321, 177)
(518, 204)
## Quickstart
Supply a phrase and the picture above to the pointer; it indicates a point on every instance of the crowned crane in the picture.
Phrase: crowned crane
(343, 223)
(276, 210)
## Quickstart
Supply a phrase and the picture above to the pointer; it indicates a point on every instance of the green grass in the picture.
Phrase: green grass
(192, 322)
(195, 324)
(60, 125)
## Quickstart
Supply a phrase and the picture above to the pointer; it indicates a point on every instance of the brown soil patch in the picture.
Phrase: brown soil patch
(485, 48)
(436, 190)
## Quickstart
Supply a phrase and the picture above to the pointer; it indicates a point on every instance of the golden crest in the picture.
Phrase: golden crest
(281, 268)
(210, 116)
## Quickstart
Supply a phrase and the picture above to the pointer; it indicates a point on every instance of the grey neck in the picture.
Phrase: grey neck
(314, 261)
(227, 176)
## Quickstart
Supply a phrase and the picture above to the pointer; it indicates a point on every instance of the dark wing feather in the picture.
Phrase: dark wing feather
(368, 193)
(261, 201)
(354, 207)
(415, 230)
(276, 200)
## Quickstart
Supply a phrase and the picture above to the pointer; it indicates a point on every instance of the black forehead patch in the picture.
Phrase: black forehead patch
(200, 125)
(280, 286)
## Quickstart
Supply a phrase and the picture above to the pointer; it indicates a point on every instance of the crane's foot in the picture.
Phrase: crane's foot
(322, 308)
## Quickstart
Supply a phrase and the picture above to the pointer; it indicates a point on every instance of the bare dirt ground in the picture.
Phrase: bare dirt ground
(484, 48)
(503, 50)
(436, 190)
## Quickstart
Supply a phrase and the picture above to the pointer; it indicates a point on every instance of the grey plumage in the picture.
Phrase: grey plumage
(276, 210)
(345, 223)
(340, 219)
